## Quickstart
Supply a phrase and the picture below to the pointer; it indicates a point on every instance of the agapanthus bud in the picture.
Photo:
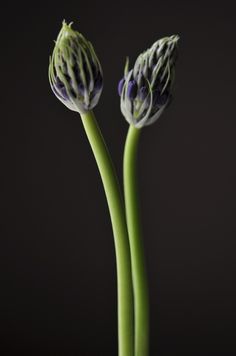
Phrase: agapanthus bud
(145, 90)
(75, 74)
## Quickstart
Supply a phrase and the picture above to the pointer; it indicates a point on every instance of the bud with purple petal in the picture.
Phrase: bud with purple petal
(75, 74)
(145, 90)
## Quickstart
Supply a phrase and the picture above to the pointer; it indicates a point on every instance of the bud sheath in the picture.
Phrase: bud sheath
(75, 74)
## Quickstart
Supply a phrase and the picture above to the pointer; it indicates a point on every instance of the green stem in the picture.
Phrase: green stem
(122, 249)
(140, 283)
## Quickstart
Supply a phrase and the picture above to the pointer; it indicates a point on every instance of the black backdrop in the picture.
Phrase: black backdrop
(58, 279)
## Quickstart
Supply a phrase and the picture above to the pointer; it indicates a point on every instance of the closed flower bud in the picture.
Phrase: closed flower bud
(146, 89)
(75, 74)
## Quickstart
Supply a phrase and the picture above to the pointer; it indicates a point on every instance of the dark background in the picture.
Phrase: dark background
(58, 278)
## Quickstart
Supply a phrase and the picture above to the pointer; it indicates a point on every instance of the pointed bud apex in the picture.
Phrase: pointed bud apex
(146, 89)
(75, 74)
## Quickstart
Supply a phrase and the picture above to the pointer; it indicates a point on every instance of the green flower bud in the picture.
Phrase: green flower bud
(75, 74)
(146, 90)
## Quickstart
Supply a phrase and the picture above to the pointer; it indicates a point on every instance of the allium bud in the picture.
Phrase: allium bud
(145, 90)
(75, 74)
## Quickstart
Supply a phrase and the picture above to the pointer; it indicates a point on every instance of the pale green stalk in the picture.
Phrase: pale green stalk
(140, 283)
(122, 249)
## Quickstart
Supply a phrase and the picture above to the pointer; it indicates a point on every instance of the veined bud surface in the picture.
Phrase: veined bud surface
(75, 73)
(146, 90)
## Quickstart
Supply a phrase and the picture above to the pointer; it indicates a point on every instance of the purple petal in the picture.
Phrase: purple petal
(81, 89)
(143, 92)
(60, 91)
(120, 86)
(64, 94)
(59, 83)
(132, 90)
(98, 82)
(159, 99)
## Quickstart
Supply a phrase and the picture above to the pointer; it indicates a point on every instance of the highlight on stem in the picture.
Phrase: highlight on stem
(75, 76)
(145, 92)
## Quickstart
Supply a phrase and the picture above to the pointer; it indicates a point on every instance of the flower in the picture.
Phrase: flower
(75, 74)
(145, 90)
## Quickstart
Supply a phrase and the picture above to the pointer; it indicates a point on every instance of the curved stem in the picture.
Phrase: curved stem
(140, 284)
(122, 249)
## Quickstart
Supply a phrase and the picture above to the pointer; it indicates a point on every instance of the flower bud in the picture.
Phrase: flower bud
(145, 90)
(75, 74)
